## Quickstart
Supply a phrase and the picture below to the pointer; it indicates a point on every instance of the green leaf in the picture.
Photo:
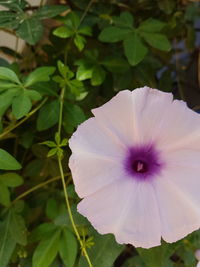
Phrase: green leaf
(7, 243)
(8, 75)
(134, 49)
(86, 30)
(17, 228)
(124, 20)
(42, 231)
(4, 195)
(115, 64)
(151, 25)
(21, 105)
(41, 74)
(6, 99)
(51, 209)
(46, 251)
(30, 30)
(49, 143)
(84, 71)
(103, 253)
(98, 75)
(7, 162)
(79, 42)
(68, 248)
(8, 20)
(63, 32)
(114, 34)
(11, 179)
(157, 40)
(167, 6)
(50, 11)
(48, 115)
(33, 95)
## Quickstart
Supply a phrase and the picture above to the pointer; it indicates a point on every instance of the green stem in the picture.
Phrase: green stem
(86, 11)
(10, 128)
(62, 94)
(70, 214)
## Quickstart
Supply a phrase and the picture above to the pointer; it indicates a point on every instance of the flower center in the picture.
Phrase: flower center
(140, 166)
(143, 162)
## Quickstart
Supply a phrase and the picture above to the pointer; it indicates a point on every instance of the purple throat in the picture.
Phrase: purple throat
(143, 162)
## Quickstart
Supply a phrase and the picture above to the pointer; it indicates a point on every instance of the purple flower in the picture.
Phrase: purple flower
(136, 164)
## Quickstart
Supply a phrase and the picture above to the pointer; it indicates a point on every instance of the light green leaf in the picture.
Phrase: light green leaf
(8, 75)
(4, 195)
(79, 42)
(41, 74)
(7, 162)
(50, 11)
(30, 30)
(49, 143)
(11, 179)
(98, 75)
(48, 115)
(84, 72)
(68, 248)
(151, 25)
(114, 34)
(6, 99)
(63, 32)
(21, 105)
(17, 228)
(52, 152)
(134, 49)
(86, 30)
(33, 95)
(157, 40)
(7, 243)
(46, 251)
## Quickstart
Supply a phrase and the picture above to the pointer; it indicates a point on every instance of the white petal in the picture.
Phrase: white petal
(179, 214)
(127, 209)
(97, 159)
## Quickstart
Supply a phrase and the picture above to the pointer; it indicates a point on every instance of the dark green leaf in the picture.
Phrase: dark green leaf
(51, 209)
(8, 20)
(46, 251)
(6, 100)
(4, 195)
(114, 34)
(41, 74)
(50, 11)
(21, 105)
(17, 228)
(68, 248)
(115, 64)
(7, 162)
(42, 231)
(157, 40)
(124, 20)
(167, 6)
(30, 30)
(11, 179)
(135, 50)
(48, 115)
(103, 253)
(151, 25)
(7, 243)
(98, 75)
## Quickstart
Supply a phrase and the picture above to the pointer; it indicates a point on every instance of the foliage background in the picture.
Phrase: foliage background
(78, 55)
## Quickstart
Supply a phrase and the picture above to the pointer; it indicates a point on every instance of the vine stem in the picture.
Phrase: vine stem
(9, 129)
(86, 11)
(37, 187)
(64, 183)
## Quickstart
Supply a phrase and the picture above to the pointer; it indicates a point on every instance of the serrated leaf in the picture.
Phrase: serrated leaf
(68, 248)
(21, 105)
(63, 32)
(30, 30)
(4, 195)
(17, 228)
(50, 11)
(114, 34)
(41, 74)
(151, 25)
(46, 251)
(48, 115)
(7, 243)
(134, 49)
(157, 40)
(8, 162)
(8, 75)
(11, 179)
